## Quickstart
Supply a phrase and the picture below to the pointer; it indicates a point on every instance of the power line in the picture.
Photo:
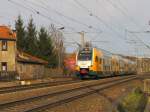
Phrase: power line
(109, 14)
(147, 46)
(20, 5)
(101, 41)
(131, 19)
(38, 13)
(95, 37)
(62, 15)
(88, 32)
(123, 11)
(98, 18)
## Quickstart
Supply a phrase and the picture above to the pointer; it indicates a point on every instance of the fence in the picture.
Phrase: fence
(5, 76)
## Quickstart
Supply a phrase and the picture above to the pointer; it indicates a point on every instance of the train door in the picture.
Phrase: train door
(96, 63)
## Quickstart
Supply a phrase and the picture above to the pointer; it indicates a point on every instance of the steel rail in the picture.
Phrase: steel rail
(63, 96)
(87, 91)
(17, 88)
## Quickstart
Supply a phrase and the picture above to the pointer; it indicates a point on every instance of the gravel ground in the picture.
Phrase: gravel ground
(17, 83)
(98, 102)
(103, 101)
(91, 103)
(148, 106)
(121, 90)
(10, 97)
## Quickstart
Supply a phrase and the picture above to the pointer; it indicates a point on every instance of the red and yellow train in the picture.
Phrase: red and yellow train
(95, 63)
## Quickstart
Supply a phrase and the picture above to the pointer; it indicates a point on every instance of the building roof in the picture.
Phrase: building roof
(7, 33)
(27, 58)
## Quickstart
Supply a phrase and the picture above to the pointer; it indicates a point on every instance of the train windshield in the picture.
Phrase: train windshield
(85, 56)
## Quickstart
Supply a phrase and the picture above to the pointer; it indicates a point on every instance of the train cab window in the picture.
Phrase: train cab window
(85, 56)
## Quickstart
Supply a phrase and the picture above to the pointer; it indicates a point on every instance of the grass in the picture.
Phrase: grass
(133, 102)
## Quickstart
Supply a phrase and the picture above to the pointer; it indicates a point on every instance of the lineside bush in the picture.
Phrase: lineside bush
(134, 102)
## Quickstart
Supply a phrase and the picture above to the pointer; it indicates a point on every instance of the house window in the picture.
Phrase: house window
(4, 45)
(4, 66)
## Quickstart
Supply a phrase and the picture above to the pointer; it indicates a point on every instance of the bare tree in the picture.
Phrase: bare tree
(58, 44)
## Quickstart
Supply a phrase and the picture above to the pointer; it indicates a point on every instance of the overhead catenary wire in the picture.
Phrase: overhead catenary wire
(127, 11)
(147, 46)
(90, 12)
(100, 4)
(34, 11)
(38, 12)
(98, 18)
(122, 11)
(136, 24)
(130, 18)
(110, 14)
(21, 5)
(117, 25)
(63, 15)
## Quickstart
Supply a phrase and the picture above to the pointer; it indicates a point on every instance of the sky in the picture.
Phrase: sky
(119, 26)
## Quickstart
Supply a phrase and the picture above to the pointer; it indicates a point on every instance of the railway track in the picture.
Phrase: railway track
(62, 94)
(17, 88)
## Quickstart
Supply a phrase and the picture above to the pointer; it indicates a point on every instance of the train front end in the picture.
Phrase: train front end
(83, 62)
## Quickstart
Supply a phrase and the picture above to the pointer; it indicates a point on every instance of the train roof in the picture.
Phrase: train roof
(109, 54)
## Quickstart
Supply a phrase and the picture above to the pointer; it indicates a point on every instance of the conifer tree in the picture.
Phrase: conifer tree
(44, 44)
(31, 38)
(21, 34)
(45, 47)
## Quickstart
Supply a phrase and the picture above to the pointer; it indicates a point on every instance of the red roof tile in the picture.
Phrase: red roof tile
(7, 33)
(27, 58)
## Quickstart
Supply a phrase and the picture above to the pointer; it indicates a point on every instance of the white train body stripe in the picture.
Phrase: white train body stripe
(84, 64)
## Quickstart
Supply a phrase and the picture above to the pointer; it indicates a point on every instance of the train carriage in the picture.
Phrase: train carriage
(94, 63)
(115, 65)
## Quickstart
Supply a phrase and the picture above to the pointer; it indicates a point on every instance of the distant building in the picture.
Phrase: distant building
(17, 64)
(143, 65)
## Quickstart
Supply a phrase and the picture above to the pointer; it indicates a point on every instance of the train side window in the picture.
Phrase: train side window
(100, 60)
(103, 61)
(96, 59)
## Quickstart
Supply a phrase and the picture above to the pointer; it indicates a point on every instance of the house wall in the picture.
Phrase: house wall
(30, 71)
(8, 56)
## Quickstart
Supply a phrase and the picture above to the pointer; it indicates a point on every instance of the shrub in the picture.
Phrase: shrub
(134, 102)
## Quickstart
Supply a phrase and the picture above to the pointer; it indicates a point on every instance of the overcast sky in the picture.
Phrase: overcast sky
(114, 25)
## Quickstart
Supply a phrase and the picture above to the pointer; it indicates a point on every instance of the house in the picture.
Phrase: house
(30, 67)
(7, 52)
(17, 64)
